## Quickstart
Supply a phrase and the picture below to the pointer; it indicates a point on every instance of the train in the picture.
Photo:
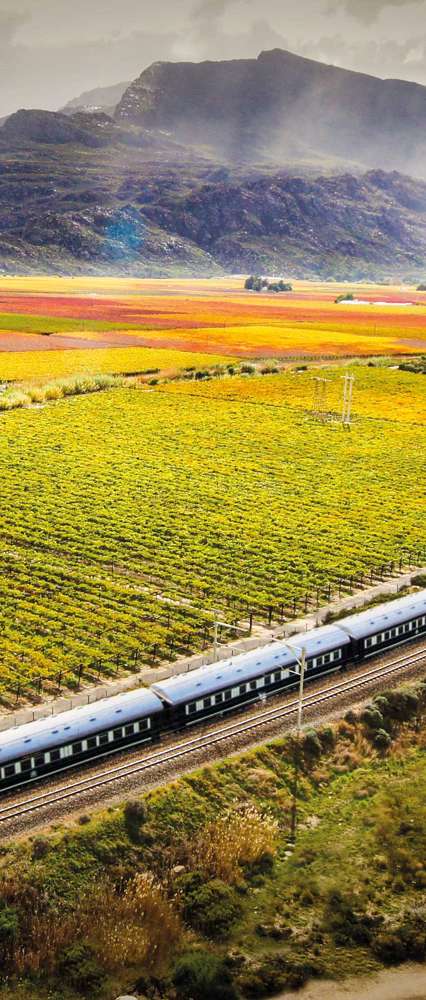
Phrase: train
(37, 749)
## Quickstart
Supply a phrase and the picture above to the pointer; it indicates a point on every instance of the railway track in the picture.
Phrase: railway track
(51, 797)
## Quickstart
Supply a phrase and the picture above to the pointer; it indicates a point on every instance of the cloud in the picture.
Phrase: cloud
(368, 10)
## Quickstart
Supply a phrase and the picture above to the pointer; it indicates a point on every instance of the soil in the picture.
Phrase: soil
(406, 983)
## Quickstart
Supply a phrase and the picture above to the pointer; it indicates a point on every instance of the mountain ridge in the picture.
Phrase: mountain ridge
(257, 110)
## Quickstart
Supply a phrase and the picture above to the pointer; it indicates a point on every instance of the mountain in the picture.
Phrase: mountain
(207, 168)
(99, 99)
(281, 107)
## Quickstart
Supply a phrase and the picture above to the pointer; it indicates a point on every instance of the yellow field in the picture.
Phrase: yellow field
(39, 365)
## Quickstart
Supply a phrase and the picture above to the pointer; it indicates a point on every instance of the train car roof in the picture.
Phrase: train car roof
(246, 666)
(77, 724)
(384, 616)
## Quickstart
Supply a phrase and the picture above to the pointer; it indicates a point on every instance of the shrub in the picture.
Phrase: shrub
(200, 975)
(312, 744)
(372, 718)
(9, 930)
(404, 940)
(327, 737)
(135, 815)
(347, 925)
(41, 847)
(211, 907)
(247, 369)
(382, 740)
(79, 968)
(234, 842)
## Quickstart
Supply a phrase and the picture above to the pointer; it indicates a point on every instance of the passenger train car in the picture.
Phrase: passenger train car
(52, 744)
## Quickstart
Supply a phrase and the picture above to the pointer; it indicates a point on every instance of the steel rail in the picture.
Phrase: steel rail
(239, 727)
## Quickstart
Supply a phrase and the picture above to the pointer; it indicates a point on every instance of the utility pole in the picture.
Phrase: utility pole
(216, 625)
(301, 662)
(347, 401)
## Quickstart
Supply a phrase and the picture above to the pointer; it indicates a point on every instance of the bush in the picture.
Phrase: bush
(347, 925)
(41, 847)
(135, 815)
(79, 968)
(199, 975)
(312, 744)
(248, 369)
(211, 907)
(403, 941)
(327, 737)
(9, 930)
(372, 718)
(382, 740)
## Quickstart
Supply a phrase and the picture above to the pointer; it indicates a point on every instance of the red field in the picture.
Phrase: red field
(209, 317)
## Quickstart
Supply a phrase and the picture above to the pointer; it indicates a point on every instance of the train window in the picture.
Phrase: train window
(92, 742)
(26, 764)
(192, 707)
(253, 685)
(218, 698)
(129, 730)
(144, 724)
(55, 755)
(39, 760)
(242, 689)
(118, 734)
(207, 702)
(77, 747)
(228, 695)
(327, 658)
(103, 739)
(267, 679)
(393, 632)
(9, 770)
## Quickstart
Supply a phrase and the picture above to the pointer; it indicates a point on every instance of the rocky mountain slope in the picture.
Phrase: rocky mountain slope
(99, 99)
(283, 107)
(94, 197)
(183, 179)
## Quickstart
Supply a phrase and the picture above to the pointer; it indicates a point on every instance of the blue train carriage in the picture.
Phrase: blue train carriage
(217, 689)
(387, 625)
(51, 744)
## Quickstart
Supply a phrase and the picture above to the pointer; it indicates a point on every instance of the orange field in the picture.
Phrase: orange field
(209, 317)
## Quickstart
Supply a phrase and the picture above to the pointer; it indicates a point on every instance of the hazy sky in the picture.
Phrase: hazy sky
(52, 50)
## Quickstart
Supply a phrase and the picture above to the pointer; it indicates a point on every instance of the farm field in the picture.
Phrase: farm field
(225, 493)
(214, 317)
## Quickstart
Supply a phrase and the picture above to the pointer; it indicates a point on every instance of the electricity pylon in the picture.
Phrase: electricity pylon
(347, 401)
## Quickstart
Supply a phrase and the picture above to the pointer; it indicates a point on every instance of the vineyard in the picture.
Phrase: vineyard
(126, 517)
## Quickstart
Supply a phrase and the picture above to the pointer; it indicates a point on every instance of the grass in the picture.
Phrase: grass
(202, 870)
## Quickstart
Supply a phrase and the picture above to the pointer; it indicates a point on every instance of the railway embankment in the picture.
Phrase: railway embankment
(196, 889)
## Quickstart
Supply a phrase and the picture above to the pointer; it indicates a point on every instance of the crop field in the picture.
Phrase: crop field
(126, 517)
(42, 365)
(214, 317)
